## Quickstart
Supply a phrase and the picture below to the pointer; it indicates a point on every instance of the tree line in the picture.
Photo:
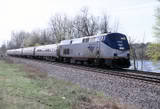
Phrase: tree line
(61, 27)
(153, 50)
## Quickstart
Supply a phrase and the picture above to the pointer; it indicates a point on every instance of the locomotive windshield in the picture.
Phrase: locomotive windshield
(116, 41)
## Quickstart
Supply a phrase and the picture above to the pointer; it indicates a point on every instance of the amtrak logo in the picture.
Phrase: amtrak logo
(91, 48)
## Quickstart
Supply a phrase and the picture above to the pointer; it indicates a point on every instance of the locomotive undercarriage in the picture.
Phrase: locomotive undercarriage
(110, 63)
(120, 63)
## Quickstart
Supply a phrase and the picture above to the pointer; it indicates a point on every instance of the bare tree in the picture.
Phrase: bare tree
(44, 37)
(133, 52)
(83, 24)
(17, 39)
(115, 27)
(3, 48)
(141, 52)
(10, 45)
(86, 24)
(33, 39)
(60, 27)
(104, 24)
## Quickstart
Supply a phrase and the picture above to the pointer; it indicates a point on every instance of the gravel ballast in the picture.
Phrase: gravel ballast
(124, 90)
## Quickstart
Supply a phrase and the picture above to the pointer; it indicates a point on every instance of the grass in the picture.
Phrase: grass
(25, 87)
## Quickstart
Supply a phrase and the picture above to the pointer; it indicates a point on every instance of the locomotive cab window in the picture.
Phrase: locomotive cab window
(116, 41)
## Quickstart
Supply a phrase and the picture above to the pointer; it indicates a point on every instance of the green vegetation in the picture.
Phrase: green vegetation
(25, 87)
(157, 24)
(153, 51)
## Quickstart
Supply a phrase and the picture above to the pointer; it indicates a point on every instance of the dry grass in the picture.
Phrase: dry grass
(40, 91)
(33, 73)
(8, 60)
(97, 102)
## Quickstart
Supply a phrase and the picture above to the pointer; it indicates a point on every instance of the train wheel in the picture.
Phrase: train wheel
(90, 62)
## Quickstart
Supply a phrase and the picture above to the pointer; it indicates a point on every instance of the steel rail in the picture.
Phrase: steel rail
(150, 77)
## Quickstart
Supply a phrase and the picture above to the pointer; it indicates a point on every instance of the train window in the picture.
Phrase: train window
(48, 50)
(92, 39)
(39, 50)
(85, 40)
(66, 51)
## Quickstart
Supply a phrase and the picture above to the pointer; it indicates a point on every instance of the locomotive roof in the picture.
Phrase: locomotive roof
(79, 40)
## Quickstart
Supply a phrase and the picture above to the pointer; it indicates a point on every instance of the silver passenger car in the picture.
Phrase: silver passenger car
(28, 52)
(46, 51)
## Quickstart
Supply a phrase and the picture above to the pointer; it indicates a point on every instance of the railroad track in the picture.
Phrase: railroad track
(150, 77)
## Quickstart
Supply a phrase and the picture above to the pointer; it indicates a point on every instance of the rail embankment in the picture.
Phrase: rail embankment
(124, 90)
(26, 86)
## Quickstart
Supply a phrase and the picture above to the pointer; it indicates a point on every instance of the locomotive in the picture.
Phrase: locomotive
(110, 50)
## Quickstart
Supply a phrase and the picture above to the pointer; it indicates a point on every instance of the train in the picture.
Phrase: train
(110, 50)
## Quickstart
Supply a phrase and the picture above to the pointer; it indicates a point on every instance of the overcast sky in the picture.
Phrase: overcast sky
(136, 17)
